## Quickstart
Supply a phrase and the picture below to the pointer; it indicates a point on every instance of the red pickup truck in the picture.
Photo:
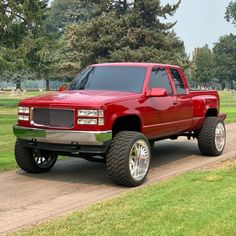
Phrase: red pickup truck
(115, 112)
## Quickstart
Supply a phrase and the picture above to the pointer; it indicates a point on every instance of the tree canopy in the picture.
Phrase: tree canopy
(64, 13)
(22, 21)
(129, 32)
(88, 32)
(230, 14)
(202, 66)
(225, 59)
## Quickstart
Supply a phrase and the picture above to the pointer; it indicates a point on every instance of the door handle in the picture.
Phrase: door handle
(174, 102)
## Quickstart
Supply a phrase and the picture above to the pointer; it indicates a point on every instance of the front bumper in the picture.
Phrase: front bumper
(66, 137)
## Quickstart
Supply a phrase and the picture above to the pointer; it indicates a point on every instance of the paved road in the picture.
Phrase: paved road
(27, 199)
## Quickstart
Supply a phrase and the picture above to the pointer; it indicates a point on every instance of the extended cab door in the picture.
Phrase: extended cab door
(184, 107)
(163, 116)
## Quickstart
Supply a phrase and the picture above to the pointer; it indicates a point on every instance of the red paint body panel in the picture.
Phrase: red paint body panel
(159, 116)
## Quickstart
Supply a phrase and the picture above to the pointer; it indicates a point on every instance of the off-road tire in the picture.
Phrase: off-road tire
(206, 137)
(24, 157)
(117, 161)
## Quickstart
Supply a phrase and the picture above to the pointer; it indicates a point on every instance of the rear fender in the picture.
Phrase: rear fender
(201, 104)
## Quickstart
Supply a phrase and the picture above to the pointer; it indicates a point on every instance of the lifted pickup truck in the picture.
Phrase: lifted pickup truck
(115, 112)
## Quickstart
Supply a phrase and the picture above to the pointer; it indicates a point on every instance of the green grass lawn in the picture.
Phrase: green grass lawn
(8, 114)
(195, 204)
(228, 106)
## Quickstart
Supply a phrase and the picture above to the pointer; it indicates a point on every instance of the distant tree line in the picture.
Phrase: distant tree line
(42, 42)
(218, 66)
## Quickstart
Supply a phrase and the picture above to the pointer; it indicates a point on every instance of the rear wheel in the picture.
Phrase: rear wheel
(212, 137)
(128, 158)
(34, 160)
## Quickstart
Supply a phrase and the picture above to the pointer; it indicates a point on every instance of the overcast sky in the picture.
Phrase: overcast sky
(201, 22)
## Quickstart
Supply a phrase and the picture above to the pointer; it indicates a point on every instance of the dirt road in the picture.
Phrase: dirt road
(27, 199)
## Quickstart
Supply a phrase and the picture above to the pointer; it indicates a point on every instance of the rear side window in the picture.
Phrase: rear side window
(180, 89)
(160, 79)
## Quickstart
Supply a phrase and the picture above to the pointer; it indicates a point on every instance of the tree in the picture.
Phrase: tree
(230, 14)
(21, 22)
(66, 12)
(202, 66)
(225, 59)
(20, 18)
(42, 57)
(130, 32)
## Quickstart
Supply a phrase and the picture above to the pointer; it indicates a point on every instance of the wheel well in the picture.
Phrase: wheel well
(126, 123)
(211, 112)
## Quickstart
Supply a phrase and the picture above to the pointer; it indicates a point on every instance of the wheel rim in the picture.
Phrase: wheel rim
(220, 136)
(139, 160)
(43, 159)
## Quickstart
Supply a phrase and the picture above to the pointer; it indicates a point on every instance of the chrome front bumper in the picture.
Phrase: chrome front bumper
(63, 136)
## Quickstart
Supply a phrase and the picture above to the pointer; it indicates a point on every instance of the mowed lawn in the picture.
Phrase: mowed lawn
(8, 117)
(195, 204)
(228, 106)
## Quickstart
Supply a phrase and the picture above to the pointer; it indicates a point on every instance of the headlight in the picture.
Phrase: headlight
(90, 113)
(87, 121)
(24, 110)
(23, 118)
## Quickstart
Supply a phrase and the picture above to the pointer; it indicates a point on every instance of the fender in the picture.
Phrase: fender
(201, 104)
(136, 113)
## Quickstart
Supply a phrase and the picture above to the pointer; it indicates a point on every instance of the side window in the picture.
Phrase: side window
(178, 81)
(160, 79)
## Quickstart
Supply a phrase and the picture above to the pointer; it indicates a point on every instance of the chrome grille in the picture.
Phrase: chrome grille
(58, 118)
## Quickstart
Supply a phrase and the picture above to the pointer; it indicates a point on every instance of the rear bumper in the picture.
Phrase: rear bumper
(89, 138)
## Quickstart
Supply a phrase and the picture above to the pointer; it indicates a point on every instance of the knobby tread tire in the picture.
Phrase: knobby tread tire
(24, 159)
(206, 137)
(117, 161)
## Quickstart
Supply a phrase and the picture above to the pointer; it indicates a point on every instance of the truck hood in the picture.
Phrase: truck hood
(78, 98)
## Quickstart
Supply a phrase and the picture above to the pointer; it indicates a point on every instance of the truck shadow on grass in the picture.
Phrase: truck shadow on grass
(82, 172)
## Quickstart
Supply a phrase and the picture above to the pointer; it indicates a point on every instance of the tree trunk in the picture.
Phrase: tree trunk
(223, 85)
(18, 84)
(231, 84)
(47, 84)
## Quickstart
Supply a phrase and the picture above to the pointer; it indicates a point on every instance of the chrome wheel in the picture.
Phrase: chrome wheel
(44, 159)
(220, 136)
(139, 160)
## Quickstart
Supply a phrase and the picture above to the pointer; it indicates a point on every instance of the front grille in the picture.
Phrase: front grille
(53, 117)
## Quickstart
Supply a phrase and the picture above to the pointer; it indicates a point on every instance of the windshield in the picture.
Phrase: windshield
(114, 78)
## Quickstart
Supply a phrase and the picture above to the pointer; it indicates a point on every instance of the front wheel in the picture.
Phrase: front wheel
(212, 137)
(34, 160)
(128, 158)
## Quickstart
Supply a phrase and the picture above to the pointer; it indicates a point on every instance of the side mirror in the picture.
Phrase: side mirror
(158, 92)
(62, 88)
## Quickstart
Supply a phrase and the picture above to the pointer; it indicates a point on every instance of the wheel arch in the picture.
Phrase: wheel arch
(211, 112)
(128, 122)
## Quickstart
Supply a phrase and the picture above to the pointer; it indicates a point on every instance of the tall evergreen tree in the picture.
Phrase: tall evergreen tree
(130, 32)
(202, 66)
(42, 57)
(225, 59)
(21, 22)
(66, 12)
